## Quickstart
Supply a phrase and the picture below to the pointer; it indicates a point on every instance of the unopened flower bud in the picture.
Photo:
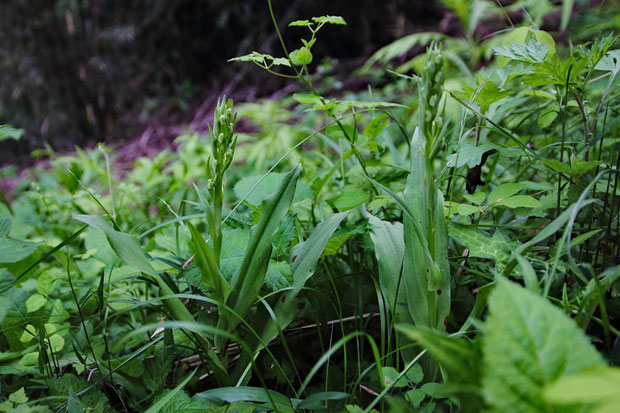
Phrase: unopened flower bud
(433, 100)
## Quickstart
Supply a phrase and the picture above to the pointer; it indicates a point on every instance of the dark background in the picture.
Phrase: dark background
(74, 72)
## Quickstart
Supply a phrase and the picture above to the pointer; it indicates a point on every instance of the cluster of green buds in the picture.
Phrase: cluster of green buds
(431, 90)
(223, 142)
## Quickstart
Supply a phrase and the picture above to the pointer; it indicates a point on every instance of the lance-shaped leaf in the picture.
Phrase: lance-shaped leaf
(389, 241)
(417, 262)
(126, 246)
(248, 279)
(440, 256)
(211, 276)
(305, 257)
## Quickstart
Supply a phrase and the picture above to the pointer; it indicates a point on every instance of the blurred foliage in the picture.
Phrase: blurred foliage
(77, 71)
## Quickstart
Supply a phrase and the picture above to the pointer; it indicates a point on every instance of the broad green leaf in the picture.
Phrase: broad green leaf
(30, 359)
(390, 374)
(5, 226)
(317, 400)
(29, 334)
(174, 239)
(519, 201)
(340, 237)
(306, 98)
(547, 117)
(299, 23)
(262, 59)
(469, 155)
(126, 246)
(376, 126)
(180, 402)
(556, 72)
(18, 397)
(282, 239)
(415, 397)
(73, 404)
(248, 280)
(485, 93)
(157, 368)
(234, 244)
(497, 248)
(46, 282)
(251, 57)
(50, 328)
(306, 254)
(329, 20)
(34, 302)
(96, 240)
(68, 383)
(531, 51)
(13, 250)
(522, 34)
(598, 387)
(415, 374)
(528, 343)
(6, 281)
(350, 198)
(557, 166)
(389, 241)
(279, 275)
(610, 62)
(56, 342)
(256, 188)
(466, 209)
(301, 56)
(503, 191)
(579, 167)
(281, 61)
(243, 393)
(476, 198)
(343, 131)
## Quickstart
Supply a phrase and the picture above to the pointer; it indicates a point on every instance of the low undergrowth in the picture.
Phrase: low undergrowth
(447, 241)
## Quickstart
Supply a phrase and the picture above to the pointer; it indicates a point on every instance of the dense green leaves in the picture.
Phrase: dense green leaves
(248, 279)
(528, 343)
(13, 250)
(385, 243)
